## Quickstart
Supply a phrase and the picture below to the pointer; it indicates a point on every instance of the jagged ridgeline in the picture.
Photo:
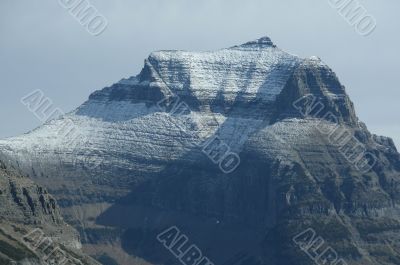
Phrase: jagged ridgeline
(140, 156)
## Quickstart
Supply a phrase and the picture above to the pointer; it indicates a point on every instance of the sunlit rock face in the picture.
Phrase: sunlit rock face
(135, 159)
(30, 220)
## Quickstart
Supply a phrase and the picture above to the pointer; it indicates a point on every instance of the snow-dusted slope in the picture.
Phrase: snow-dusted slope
(132, 157)
(123, 123)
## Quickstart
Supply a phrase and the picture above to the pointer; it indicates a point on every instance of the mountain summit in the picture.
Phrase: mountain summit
(241, 148)
(263, 42)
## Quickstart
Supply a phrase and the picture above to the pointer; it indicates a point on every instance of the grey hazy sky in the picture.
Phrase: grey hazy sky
(43, 47)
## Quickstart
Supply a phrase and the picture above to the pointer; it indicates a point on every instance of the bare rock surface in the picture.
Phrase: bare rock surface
(30, 221)
(127, 163)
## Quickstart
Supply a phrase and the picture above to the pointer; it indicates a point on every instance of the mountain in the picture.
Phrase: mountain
(31, 227)
(244, 150)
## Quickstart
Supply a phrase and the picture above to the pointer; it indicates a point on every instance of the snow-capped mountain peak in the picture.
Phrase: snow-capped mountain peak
(131, 163)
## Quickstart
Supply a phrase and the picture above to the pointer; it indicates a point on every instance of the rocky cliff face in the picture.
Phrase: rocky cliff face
(23, 200)
(131, 162)
(28, 209)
